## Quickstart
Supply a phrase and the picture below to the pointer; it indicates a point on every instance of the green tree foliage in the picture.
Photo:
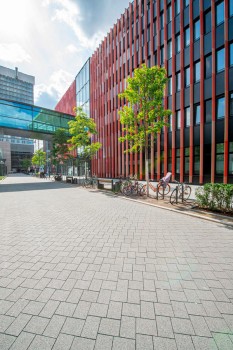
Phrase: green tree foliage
(144, 115)
(82, 128)
(60, 150)
(39, 158)
(25, 163)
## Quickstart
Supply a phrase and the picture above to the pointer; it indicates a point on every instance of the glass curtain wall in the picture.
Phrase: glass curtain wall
(83, 100)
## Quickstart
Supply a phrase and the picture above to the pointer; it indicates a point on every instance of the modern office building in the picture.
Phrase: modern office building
(17, 87)
(193, 40)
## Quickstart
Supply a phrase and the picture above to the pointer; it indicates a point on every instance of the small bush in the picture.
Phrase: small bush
(217, 197)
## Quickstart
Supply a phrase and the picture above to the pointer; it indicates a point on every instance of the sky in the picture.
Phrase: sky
(52, 39)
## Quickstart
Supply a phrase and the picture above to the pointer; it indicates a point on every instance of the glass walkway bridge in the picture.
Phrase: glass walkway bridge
(30, 121)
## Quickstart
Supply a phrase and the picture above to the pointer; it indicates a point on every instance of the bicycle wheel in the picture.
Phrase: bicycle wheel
(142, 190)
(187, 192)
(87, 183)
(166, 189)
(173, 197)
(127, 190)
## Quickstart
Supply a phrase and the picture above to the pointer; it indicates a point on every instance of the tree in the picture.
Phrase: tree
(81, 129)
(25, 163)
(39, 158)
(60, 150)
(144, 115)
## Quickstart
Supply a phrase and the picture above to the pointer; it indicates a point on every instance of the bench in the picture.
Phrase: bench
(69, 179)
(103, 182)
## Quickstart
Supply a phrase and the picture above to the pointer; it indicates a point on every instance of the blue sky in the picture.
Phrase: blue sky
(52, 39)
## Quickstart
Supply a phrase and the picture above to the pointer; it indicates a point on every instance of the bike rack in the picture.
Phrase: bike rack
(157, 192)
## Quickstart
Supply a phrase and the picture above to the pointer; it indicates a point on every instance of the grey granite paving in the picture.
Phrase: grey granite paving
(86, 270)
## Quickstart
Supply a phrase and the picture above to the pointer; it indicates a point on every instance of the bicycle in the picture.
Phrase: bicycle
(133, 188)
(163, 187)
(90, 182)
(182, 191)
(120, 184)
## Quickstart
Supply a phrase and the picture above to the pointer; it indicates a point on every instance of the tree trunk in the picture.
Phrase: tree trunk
(147, 166)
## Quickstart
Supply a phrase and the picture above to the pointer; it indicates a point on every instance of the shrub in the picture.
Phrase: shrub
(215, 197)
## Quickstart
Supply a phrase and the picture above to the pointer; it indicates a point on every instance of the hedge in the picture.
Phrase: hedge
(217, 197)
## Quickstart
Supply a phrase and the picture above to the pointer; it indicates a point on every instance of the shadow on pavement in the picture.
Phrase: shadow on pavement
(20, 187)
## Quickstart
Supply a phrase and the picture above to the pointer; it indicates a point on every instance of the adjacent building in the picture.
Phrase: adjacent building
(18, 87)
(193, 40)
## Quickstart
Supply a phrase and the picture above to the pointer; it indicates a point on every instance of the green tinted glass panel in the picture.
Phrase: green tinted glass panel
(186, 151)
(231, 147)
(197, 151)
(220, 148)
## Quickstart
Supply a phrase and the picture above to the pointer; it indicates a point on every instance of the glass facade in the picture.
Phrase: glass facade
(220, 60)
(197, 115)
(197, 30)
(83, 88)
(220, 108)
(220, 13)
(231, 54)
(17, 115)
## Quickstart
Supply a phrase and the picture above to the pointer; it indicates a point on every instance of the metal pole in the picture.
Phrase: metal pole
(176, 194)
(157, 192)
(182, 193)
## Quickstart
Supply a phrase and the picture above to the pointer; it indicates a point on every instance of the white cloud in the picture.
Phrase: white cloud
(73, 49)
(58, 83)
(69, 13)
(13, 53)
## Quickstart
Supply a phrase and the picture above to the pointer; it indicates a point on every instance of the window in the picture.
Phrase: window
(178, 82)
(196, 160)
(231, 158)
(208, 111)
(220, 60)
(187, 77)
(162, 20)
(231, 54)
(155, 27)
(169, 49)
(169, 14)
(186, 3)
(170, 86)
(187, 117)
(169, 160)
(208, 66)
(197, 30)
(177, 7)
(197, 72)
(220, 108)
(207, 22)
(177, 161)
(186, 160)
(162, 162)
(197, 114)
(170, 123)
(220, 13)
(219, 158)
(230, 8)
(231, 104)
(187, 37)
(178, 121)
(162, 56)
(178, 44)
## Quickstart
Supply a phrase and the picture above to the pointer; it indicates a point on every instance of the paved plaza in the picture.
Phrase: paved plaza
(84, 270)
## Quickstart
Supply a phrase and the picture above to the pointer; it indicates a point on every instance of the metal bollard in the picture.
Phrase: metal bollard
(176, 194)
(157, 192)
